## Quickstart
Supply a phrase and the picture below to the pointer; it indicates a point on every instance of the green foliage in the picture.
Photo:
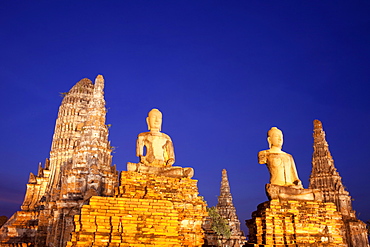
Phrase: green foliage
(218, 224)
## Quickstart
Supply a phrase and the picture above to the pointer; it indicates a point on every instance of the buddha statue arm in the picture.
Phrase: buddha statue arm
(170, 152)
(262, 157)
(139, 146)
(294, 172)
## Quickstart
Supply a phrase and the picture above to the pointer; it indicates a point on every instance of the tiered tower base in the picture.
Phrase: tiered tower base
(20, 228)
(147, 210)
(296, 223)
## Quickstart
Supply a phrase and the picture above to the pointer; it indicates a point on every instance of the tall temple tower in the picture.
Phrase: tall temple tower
(226, 209)
(79, 167)
(77, 200)
(325, 177)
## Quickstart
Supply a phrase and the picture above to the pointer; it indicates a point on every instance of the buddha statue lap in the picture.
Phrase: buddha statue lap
(284, 181)
(160, 155)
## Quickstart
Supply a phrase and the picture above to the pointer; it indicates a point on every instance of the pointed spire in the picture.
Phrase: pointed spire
(47, 164)
(322, 160)
(226, 209)
(324, 175)
(99, 87)
(32, 179)
(40, 170)
(99, 82)
(225, 205)
(225, 187)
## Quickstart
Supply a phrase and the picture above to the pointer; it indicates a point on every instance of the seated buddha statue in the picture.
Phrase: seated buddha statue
(155, 151)
(284, 180)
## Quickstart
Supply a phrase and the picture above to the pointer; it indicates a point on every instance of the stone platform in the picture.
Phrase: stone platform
(147, 210)
(296, 223)
(20, 228)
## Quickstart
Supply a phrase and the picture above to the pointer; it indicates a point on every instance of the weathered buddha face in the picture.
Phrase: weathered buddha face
(275, 138)
(154, 120)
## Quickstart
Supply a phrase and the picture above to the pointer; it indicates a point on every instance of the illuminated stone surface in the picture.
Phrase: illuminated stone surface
(324, 176)
(284, 182)
(147, 209)
(160, 154)
(296, 223)
(79, 167)
(76, 198)
(329, 221)
(159, 146)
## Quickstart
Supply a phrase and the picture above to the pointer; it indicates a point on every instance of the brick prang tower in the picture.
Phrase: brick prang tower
(226, 209)
(324, 176)
(79, 167)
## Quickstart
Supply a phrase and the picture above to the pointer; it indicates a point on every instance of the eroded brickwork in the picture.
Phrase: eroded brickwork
(226, 209)
(79, 167)
(296, 223)
(325, 177)
(148, 210)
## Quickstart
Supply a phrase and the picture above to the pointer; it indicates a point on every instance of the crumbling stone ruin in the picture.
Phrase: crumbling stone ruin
(79, 167)
(147, 209)
(76, 199)
(225, 208)
(155, 203)
(324, 176)
(319, 216)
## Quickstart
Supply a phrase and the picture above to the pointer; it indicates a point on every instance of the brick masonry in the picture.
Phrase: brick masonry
(147, 210)
(296, 223)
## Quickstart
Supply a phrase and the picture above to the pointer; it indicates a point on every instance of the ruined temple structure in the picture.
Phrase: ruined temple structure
(76, 198)
(225, 209)
(79, 167)
(147, 210)
(155, 204)
(324, 176)
(295, 216)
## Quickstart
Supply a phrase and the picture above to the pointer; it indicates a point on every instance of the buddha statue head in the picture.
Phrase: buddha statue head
(275, 138)
(154, 120)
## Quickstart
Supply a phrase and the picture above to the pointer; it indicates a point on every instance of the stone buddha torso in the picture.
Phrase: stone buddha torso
(284, 182)
(281, 167)
(156, 152)
(159, 148)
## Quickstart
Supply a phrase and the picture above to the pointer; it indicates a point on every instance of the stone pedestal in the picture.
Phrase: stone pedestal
(147, 210)
(296, 223)
(20, 228)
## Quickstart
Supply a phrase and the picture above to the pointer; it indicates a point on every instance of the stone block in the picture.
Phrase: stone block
(147, 217)
(296, 222)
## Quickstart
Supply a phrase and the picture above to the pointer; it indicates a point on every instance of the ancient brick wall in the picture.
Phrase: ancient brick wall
(296, 223)
(147, 210)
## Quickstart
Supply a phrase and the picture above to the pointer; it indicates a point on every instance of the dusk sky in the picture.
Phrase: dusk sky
(222, 73)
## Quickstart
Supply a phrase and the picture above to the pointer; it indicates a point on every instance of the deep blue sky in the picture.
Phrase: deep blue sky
(222, 73)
